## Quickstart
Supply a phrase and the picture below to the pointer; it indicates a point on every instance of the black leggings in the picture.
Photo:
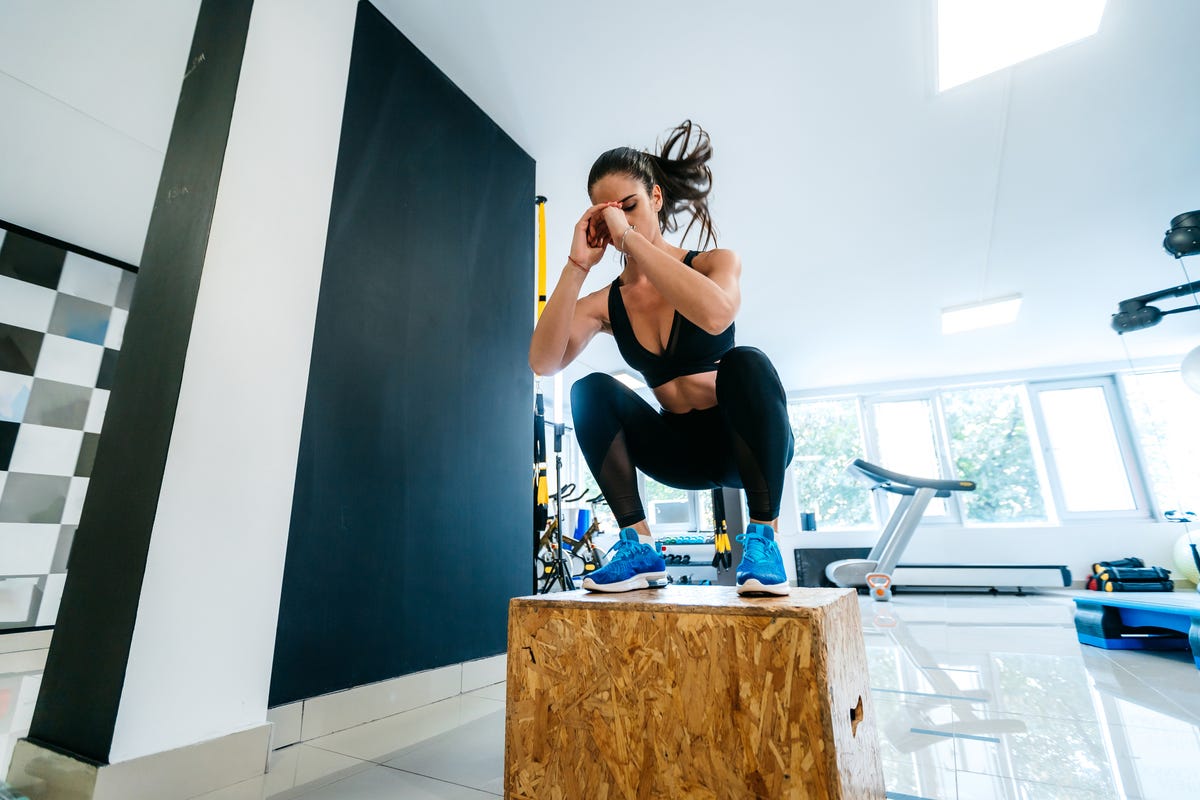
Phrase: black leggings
(744, 441)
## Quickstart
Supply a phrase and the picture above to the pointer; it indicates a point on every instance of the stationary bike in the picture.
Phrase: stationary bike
(554, 565)
(584, 548)
(553, 562)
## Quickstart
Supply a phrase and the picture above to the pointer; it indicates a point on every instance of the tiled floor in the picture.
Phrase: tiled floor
(976, 697)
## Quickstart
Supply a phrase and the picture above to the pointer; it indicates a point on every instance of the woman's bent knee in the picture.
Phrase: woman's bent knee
(591, 393)
(743, 363)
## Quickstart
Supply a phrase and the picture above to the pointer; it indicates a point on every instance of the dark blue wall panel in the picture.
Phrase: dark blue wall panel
(410, 520)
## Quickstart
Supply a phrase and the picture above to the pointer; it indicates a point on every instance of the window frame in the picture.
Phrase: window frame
(1122, 430)
(1035, 448)
(1155, 508)
(954, 511)
(860, 410)
(1112, 380)
(693, 500)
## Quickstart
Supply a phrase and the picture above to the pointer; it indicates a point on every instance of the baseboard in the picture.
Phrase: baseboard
(208, 766)
(172, 775)
(287, 721)
(319, 716)
(352, 707)
(484, 672)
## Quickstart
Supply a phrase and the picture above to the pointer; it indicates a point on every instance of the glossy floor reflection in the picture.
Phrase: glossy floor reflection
(993, 697)
(976, 697)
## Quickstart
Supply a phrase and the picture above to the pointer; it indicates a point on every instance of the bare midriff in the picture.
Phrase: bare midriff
(688, 393)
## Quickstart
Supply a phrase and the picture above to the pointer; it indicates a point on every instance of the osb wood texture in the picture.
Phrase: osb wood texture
(696, 599)
(689, 692)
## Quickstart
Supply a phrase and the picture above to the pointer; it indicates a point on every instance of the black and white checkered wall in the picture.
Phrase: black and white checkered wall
(62, 317)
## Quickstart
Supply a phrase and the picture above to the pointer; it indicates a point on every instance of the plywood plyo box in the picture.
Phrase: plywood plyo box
(689, 692)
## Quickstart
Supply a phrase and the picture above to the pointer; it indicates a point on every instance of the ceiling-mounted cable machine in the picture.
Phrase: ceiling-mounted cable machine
(1183, 239)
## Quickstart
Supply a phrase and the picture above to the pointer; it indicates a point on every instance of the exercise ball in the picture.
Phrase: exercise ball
(1190, 370)
(1184, 563)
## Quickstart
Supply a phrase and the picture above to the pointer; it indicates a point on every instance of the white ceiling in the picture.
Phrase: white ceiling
(861, 200)
(87, 97)
(119, 62)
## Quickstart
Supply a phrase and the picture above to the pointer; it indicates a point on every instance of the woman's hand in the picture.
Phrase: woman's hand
(615, 222)
(591, 236)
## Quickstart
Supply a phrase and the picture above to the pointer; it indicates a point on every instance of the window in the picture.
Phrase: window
(907, 442)
(602, 513)
(677, 509)
(1086, 447)
(989, 443)
(829, 435)
(666, 505)
(978, 37)
(667, 508)
(575, 470)
(1164, 413)
(704, 517)
(1039, 452)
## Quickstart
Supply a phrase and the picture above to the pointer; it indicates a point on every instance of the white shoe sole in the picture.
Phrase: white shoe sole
(757, 587)
(636, 582)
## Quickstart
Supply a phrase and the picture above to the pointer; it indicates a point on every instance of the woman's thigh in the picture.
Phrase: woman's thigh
(687, 451)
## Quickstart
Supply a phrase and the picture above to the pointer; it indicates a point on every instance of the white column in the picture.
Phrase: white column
(201, 657)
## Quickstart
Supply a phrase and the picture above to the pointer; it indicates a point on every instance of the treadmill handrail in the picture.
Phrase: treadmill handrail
(900, 483)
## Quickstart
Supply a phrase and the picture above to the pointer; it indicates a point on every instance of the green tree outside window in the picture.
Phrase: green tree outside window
(989, 442)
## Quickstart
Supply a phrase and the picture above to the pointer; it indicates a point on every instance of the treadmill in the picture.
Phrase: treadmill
(879, 570)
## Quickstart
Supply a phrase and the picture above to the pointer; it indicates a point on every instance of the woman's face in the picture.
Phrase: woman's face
(641, 210)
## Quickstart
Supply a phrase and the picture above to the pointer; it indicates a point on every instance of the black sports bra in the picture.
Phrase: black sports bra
(690, 350)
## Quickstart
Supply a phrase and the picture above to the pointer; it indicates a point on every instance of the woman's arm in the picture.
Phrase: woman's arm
(709, 298)
(567, 324)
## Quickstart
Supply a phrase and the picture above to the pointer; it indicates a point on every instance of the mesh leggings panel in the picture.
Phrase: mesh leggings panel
(743, 442)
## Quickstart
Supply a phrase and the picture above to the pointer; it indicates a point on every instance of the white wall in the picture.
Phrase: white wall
(203, 644)
(88, 92)
(1077, 545)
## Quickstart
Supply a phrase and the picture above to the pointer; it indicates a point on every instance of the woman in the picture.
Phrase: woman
(724, 418)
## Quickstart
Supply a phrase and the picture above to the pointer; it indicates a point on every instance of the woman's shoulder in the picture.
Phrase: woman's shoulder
(595, 305)
(720, 258)
(598, 297)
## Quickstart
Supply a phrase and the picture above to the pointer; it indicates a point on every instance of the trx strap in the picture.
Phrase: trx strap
(541, 254)
(541, 490)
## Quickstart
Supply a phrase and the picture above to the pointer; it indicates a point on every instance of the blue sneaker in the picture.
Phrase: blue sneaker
(633, 566)
(761, 570)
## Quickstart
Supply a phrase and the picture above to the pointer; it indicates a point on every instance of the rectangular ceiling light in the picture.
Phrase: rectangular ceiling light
(984, 314)
(978, 37)
(629, 380)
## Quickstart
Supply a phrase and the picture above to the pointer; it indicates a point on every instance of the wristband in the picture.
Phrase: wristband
(576, 263)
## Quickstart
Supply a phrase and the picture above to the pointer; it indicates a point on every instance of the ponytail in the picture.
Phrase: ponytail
(680, 169)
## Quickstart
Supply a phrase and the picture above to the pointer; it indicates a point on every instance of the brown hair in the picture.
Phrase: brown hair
(680, 168)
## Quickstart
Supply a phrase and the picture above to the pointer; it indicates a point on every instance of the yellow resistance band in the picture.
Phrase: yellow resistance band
(541, 255)
(542, 488)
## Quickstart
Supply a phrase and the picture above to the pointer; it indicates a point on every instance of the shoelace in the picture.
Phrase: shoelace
(623, 549)
(757, 548)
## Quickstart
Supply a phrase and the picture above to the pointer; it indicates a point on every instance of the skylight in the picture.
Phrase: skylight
(984, 314)
(978, 37)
